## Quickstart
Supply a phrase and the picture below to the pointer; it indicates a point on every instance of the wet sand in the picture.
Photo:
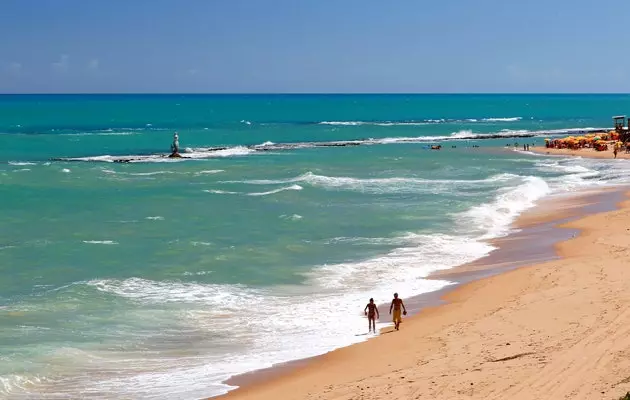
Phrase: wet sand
(494, 330)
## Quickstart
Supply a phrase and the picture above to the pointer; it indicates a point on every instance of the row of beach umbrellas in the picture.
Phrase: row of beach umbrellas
(588, 138)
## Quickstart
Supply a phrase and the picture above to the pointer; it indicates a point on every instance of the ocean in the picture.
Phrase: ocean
(126, 274)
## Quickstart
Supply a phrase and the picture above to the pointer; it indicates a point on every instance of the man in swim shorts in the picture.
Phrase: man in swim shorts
(371, 311)
(396, 306)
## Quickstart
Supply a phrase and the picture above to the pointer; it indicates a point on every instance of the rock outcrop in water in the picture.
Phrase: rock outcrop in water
(303, 145)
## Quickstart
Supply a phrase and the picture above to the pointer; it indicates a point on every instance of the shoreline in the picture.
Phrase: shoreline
(530, 227)
(586, 153)
(558, 329)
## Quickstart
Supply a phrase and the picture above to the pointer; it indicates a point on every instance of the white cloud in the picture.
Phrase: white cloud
(63, 64)
(192, 71)
(93, 64)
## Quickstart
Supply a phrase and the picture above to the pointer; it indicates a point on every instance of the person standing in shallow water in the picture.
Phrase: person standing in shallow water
(175, 145)
(396, 305)
(371, 311)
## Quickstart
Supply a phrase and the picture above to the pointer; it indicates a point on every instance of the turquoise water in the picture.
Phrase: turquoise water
(164, 277)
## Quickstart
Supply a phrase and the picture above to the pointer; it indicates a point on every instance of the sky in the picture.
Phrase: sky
(314, 46)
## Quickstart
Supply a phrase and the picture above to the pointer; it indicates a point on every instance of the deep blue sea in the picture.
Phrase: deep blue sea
(152, 277)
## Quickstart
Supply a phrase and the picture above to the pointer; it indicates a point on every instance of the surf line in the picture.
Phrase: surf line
(301, 145)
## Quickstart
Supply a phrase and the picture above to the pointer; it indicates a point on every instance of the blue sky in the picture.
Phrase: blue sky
(59, 46)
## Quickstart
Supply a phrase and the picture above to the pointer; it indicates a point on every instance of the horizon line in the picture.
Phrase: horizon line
(308, 93)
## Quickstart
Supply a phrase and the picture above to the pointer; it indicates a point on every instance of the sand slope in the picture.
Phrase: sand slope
(586, 153)
(559, 330)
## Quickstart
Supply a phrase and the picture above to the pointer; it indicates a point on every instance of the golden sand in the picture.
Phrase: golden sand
(586, 153)
(556, 330)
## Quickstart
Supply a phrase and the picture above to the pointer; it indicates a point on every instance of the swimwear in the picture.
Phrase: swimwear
(371, 311)
(397, 316)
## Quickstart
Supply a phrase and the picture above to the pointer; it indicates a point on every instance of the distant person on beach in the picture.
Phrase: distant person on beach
(372, 313)
(616, 148)
(396, 306)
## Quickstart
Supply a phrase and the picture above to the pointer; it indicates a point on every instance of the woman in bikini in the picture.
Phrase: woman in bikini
(371, 311)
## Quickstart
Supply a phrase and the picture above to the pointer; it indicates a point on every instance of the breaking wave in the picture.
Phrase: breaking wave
(233, 151)
(384, 185)
(421, 122)
(282, 189)
(292, 187)
(21, 163)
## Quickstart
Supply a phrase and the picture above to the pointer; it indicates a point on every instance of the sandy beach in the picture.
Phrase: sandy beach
(559, 329)
(587, 153)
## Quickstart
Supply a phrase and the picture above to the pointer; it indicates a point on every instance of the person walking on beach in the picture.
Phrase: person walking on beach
(396, 306)
(371, 311)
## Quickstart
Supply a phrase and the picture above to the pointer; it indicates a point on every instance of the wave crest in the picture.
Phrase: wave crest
(421, 122)
(212, 152)
(491, 220)
(381, 185)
